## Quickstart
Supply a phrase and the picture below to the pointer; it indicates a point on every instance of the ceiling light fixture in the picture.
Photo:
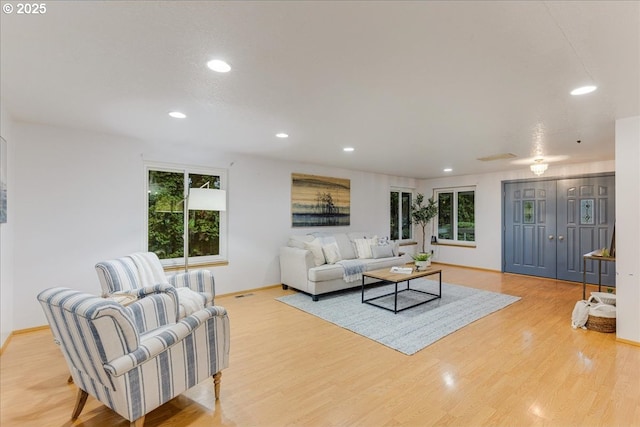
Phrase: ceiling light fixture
(219, 66)
(348, 149)
(583, 90)
(177, 115)
(282, 135)
(447, 170)
(538, 167)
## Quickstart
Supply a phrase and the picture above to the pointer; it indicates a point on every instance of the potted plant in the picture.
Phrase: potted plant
(422, 260)
(422, 214)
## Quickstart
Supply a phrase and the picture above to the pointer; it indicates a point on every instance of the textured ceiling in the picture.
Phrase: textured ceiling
(414, 87)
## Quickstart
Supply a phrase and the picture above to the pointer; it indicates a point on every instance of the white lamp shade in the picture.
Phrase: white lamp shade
(207, 199)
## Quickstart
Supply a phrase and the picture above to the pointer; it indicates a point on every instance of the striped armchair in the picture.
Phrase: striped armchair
(126, 275)
(135, 358)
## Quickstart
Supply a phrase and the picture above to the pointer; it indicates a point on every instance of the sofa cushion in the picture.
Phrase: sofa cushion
(375, 264)
(315, 246)
(331, 253)
(382, 251)
(353, 235)
(298, 241)
(363, 248)
(325, 238)
(345, 246)
(326, 272)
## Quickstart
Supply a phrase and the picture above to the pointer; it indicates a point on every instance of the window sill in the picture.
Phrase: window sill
(458, 245)
(195, 266)
(407, 243)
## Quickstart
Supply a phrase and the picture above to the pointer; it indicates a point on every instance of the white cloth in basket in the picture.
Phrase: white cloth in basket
(604, 298)
(603, 310)
(580, 315)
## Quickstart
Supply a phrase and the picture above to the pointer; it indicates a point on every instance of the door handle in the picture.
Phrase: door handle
(550, 236)
(560, 237)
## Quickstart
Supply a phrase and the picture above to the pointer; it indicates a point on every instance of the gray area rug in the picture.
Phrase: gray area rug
(411, 330)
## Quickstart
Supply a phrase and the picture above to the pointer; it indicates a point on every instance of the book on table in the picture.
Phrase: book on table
(401, 270)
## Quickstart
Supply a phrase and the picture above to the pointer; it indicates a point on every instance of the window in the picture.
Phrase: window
(400, 223)
(456, 215)
(167, 218)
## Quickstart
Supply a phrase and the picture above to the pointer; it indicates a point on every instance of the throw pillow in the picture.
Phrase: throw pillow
(331, 253)
(396, 248)
(383, 241)
(384, 251)
(363, 247)
(325, 240)
(315, 246)
(345, 246)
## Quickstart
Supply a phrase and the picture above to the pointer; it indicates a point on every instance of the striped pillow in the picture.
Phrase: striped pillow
(363, 247)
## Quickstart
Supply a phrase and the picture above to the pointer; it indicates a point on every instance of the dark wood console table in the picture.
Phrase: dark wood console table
(592, 255)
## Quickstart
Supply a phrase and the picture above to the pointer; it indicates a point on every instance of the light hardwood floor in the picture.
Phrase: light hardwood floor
(521, 366)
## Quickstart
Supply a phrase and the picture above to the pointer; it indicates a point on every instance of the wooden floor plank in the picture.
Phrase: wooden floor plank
(523, 365)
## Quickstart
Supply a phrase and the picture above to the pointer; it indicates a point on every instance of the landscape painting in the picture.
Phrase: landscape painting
(319, 201)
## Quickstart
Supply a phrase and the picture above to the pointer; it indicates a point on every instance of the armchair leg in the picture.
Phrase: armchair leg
(216, 384)
(137, 423)
(81, 399)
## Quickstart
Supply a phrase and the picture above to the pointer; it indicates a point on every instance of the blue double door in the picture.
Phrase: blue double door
(549, 225)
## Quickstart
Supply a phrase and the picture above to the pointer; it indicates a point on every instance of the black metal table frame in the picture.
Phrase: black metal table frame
(395, 310)
(590, 256)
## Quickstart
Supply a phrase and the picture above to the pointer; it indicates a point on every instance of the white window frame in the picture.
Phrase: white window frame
(223, 227)
(455, 191)
(402, 190)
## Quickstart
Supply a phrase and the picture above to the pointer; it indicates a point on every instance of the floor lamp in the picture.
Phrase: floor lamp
(202, 199)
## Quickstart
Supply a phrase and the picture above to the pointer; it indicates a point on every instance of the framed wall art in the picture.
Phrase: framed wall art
(318, 201)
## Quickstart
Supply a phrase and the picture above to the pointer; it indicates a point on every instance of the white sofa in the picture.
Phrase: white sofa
(315, 263)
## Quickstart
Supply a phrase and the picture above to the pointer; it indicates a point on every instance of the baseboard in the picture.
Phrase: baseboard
(21, 331)
(27, 330)
(233, 294)
(466, 266)
(630, 342)
(5, 344)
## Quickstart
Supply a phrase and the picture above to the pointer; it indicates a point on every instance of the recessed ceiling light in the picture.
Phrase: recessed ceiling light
(219, 66)
(177, 115)
(282, 135)
(348, 149)
(583, 90)
(447, 170)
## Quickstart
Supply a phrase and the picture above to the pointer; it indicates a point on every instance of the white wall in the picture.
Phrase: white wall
(628, 228)
(488, 251)
(79, 199)
(6, 235)
(260, 215)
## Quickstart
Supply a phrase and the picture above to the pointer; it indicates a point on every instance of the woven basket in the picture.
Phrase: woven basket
(601, 324)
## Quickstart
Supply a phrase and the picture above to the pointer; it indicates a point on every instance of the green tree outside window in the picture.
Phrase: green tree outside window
(166, 216)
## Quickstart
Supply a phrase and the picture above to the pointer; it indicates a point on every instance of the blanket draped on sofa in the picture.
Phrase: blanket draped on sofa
(353, 269)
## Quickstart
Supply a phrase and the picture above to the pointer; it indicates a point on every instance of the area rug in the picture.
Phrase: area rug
(411, 330)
